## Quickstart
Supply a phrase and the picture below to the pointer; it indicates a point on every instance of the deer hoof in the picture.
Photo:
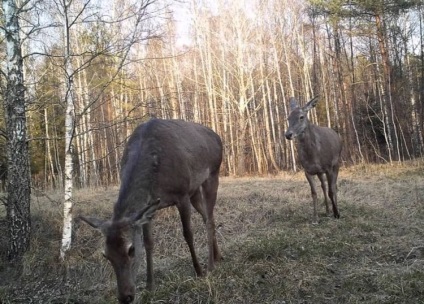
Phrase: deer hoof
(200, 273)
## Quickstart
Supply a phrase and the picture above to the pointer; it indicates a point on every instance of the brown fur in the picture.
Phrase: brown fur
(319, 150)
(165, 163)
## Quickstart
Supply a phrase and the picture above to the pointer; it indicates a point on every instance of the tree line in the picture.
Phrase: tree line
(93, 71)
(235, 75)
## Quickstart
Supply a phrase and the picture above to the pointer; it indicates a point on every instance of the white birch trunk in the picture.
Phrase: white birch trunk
(292, 148)
(49, 157)
(196, 107)
(69, 129)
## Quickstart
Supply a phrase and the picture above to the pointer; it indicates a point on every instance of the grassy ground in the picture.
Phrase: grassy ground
(272, 253)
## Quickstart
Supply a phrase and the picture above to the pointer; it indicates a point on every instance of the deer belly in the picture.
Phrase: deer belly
(198, 178)
(313, 169)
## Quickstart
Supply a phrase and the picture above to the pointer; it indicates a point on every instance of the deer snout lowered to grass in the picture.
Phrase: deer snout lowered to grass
(165, 163)
(319, 150)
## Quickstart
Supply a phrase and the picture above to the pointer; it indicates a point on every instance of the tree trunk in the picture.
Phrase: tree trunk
(241, 140)
(290, 80)
(69, 130)
(49, 158)
(386, 86)
(18, 164)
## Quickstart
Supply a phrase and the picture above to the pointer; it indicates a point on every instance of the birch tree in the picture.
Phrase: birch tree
(69, 131)
(130, 22)
(18, 179)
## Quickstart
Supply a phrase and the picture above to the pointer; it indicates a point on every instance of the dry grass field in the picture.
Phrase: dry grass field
(272, 253)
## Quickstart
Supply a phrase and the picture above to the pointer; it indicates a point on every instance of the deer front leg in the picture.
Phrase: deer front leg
(324, 190)
(148, 246)
(311, 181)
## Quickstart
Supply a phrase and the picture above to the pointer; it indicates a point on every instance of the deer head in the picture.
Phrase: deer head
(298, 119)
(123, 246)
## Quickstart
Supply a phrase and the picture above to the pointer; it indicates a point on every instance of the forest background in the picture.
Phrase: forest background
(79, 75)
(231, 65)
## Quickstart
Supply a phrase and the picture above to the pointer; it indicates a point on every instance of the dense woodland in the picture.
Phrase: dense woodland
(231, 65)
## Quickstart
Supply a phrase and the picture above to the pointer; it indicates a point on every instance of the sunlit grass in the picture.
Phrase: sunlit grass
(272, 253)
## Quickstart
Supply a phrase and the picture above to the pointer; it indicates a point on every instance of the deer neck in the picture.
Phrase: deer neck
(135, 194)
(307, 135)
(306, 140)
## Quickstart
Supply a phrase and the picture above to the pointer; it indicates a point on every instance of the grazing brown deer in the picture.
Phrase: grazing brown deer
(165, 163)
(319, 150)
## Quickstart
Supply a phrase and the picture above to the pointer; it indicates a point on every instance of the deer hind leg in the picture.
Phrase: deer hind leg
(184, 209)
(311, 181)
(324, 190)
(148, 246)
(332, 189)
(198, 204)
(210, 189)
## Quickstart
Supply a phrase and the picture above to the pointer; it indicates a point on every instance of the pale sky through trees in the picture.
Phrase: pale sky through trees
(183, 19)
(183, 15)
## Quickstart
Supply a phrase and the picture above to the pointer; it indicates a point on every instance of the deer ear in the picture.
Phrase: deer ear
(146, 214)
(92, 221)
(293, 103)
(311, 104)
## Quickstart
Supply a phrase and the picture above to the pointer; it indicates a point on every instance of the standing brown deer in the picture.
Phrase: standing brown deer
(165, 163)
(319, 150)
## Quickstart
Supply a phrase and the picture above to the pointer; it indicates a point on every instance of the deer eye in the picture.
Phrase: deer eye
(301, 117)
(131, 251)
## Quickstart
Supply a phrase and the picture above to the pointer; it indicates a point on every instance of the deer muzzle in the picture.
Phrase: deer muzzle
(289, 135)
